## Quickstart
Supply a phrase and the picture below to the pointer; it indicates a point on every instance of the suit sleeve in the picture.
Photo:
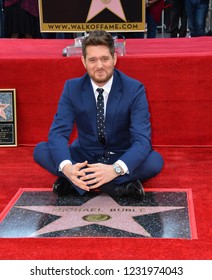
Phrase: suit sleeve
(140, 130)
(61, 128)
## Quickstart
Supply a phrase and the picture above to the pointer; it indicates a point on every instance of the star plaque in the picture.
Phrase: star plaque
(41, 213)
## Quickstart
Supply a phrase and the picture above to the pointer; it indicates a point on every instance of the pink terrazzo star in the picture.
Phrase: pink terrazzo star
(98, 6)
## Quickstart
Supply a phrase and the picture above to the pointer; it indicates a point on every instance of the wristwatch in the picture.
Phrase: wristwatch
(117, 169)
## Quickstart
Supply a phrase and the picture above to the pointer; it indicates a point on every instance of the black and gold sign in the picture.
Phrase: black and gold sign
(87, 15)
(8, 126)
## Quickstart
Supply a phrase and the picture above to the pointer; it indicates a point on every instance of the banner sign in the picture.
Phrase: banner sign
(88, 15)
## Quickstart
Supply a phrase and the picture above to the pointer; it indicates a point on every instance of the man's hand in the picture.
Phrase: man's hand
(75, 172)
(98, 174)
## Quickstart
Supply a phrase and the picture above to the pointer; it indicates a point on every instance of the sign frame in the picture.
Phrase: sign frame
(8, 118)
(90, 21)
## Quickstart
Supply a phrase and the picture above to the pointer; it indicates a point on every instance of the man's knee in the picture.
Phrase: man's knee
(157, 162)
(38, 151)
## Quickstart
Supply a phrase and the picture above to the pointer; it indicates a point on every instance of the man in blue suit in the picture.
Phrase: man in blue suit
(115, 159)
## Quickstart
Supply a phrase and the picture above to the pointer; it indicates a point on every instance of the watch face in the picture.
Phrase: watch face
(118, 169)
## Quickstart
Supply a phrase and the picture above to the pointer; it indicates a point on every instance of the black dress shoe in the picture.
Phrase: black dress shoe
(133, 189)
(62, 186)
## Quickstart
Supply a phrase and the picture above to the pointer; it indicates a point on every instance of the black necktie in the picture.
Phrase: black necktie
(100, 117)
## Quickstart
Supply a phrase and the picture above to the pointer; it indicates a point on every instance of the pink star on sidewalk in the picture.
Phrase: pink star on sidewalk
(2, 112)
(98, 6)
(116, 216)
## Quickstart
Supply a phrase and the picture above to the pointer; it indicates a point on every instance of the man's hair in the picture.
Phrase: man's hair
(96, 38)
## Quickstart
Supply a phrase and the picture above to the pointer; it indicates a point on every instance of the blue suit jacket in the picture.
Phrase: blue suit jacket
(127, 122)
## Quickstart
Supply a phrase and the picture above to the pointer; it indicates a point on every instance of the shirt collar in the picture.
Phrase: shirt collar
(106, 87)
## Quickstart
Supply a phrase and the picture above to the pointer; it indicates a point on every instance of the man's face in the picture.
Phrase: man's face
(99, 64)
